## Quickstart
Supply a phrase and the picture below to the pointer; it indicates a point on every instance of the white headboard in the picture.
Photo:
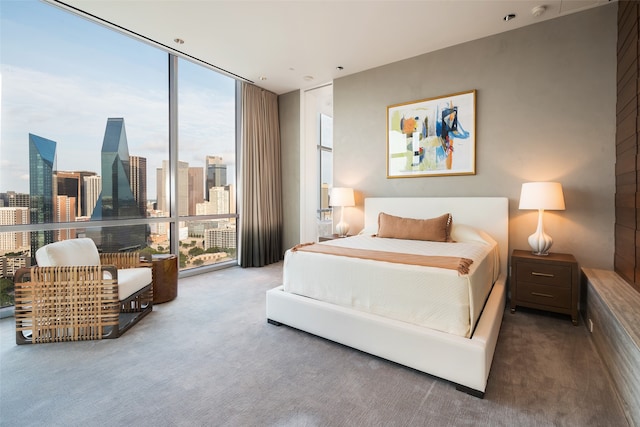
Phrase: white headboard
(490, 214)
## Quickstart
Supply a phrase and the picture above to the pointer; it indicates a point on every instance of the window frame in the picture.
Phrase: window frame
(173, 219)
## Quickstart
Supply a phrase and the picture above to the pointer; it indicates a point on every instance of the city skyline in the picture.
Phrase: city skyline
(151, 196)
(56, 196)
(48, 92)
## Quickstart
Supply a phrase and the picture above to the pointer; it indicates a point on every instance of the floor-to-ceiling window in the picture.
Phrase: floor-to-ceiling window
(84, 142)
(206, 167)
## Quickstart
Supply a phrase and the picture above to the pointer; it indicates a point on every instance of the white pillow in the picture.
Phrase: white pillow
(467, 233)
(68, 253)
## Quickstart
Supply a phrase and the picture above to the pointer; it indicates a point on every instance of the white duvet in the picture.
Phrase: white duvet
(426, 296)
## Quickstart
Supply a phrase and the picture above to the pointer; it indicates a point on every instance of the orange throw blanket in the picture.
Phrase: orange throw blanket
(448, 262)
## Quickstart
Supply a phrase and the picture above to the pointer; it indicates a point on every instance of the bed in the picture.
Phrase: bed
(460, 354)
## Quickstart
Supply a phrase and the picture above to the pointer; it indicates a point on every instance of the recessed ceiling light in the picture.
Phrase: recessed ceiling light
(509, 17)
(178, 40)
(263, 78)
(339, 68)
(307, 78)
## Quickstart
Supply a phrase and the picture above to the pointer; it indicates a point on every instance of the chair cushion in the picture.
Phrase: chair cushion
(131, 280)
(71, 252)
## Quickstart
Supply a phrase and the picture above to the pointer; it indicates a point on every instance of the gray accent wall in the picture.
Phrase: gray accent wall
(546, 97)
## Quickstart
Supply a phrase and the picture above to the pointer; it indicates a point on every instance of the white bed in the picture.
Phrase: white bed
(449, 355)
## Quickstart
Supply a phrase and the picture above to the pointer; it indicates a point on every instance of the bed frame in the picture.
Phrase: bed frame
(463, 361)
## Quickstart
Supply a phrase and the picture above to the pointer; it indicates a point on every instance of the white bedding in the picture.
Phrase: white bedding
(426, 296)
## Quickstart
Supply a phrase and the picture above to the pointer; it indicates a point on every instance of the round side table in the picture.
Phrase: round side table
(165, 277)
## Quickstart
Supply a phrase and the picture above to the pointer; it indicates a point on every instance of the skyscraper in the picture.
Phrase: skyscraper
(222, 200)
(92, 190)
(216, 173)
(71, 184)
(65, 211)
(12, 241)
(196, 188)
(219, 199)
(162, 175)
(42, 164)
(116, 199)
(16, 200)
(138, 179)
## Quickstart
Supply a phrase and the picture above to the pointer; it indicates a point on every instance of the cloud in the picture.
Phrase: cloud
(73, 111)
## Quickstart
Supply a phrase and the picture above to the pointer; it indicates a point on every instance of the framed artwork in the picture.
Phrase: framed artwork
(432, 137)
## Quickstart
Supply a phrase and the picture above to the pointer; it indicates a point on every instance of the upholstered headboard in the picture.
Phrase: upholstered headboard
(490, 214)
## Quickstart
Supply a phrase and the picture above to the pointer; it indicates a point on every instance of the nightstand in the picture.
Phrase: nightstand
(545, 282)
(331, 237)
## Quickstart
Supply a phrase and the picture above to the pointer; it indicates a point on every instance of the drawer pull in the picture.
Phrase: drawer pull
(535, 273)
(538, 294)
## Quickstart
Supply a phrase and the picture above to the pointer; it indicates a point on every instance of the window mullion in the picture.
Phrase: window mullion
(173, 155)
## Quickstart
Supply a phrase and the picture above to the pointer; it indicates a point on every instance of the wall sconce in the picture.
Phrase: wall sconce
(541, 196)
(342, 197)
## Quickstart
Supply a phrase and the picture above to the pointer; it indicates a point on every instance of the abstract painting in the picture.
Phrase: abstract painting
(432, 137)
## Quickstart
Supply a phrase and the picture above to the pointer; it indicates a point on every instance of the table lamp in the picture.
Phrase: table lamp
(341, 196)
(541, 196)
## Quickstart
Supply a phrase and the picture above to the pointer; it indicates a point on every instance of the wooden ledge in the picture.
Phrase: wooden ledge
(622, 300)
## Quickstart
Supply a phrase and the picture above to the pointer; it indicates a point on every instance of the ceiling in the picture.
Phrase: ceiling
(287, 45)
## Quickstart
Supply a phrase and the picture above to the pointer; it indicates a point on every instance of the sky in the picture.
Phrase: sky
(62, 77)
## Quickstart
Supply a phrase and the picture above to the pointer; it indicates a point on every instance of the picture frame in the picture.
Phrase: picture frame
(432, 137)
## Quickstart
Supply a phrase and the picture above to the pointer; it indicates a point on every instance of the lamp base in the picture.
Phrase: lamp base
(540, 253)
(342, 228)
(540, 243)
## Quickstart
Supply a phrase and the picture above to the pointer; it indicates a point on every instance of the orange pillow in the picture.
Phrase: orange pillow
(433, 229)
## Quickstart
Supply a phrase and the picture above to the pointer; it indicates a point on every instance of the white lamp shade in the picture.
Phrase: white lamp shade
(542, 195)
(341, 196)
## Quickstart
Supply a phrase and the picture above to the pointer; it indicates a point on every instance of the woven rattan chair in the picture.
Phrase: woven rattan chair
(76, 293)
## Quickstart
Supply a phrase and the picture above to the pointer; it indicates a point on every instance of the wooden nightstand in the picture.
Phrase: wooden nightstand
(331, 237)
(545, 282)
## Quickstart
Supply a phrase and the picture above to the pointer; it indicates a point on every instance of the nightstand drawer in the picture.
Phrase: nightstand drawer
(553, 296)
(545, 274)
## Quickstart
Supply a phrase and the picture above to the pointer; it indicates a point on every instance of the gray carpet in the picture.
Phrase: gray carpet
(209, 358)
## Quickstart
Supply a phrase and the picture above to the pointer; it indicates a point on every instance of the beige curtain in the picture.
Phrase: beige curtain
(261, 235)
